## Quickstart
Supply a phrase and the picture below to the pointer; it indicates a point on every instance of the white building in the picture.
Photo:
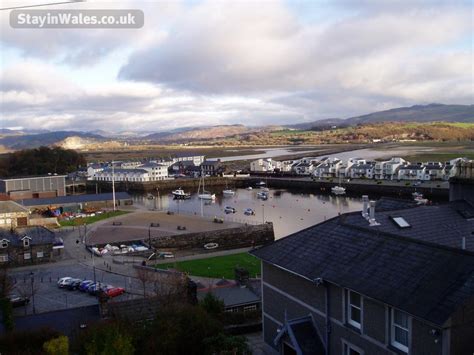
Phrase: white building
(388, 170)
(413, 172)
(362, 170)
(132, 175)
(155, 171)
(264, 165)
(93, 169)
(328, 168)
(197, 159)
(344, 169)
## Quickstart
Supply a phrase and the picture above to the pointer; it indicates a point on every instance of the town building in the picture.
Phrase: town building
(236, 298)
(212, 167)
(33, 186)
(344, 170)
(264, 165)
(132, 175)
(415, 172)
(93, 169)
(30, 245)
(13, 215)
(392, 279)
(362, 170)
(197, 159)
(388, 169)
(156, 171)
(328, 168)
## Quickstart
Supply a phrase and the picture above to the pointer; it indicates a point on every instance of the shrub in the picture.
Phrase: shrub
(57, 346)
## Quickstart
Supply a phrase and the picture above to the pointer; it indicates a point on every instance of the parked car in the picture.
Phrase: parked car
(114, 291)
(84, 285)
(95, 288)
(62, 282)
(18, 301)
(228, 209)
(73, 284)
(249, 212)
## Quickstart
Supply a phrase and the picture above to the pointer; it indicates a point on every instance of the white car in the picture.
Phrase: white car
(62, 282)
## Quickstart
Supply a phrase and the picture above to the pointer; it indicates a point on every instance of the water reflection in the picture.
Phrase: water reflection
(289, 211)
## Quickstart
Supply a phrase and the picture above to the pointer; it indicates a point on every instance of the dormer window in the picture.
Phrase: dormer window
(26, 241)
(4, 243)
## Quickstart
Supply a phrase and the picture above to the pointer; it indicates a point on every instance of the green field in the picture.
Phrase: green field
(218, 266)
(89, 220)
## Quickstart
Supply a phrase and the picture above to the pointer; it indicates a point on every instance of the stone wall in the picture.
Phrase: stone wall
(241, 237)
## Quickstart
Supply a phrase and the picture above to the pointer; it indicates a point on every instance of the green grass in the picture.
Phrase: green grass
(89, 220)
(218, 266)
(442, 157)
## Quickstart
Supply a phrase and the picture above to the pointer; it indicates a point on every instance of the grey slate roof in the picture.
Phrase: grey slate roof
(60, 200)
(11, 207)
(38, 235)
(390, 204)
(232, 296)
(395, 266)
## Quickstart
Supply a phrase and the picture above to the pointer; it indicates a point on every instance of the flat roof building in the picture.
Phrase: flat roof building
(33, 187)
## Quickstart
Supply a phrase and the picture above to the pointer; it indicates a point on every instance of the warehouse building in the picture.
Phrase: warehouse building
(33, 187)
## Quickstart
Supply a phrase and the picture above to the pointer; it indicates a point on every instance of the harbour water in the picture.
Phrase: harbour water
(290, 211)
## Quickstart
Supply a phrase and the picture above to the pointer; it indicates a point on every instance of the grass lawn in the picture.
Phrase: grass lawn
(89, 220)
(218, 266)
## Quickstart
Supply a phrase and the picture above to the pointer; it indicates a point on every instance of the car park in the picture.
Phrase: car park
(62, 282)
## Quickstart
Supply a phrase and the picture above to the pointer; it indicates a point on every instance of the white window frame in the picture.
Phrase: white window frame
(3, 258)
(393, 325)
(40, 254)
(347, 347)
(4, 243)
(252, 307)
(26, 242)
(27, 256)
(350, 321)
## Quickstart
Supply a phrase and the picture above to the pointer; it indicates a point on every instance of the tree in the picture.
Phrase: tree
(226, 344)
(107, 338)
(212, 305)
(6, 286)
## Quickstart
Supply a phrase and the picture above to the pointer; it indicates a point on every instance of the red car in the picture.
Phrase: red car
(114, 291)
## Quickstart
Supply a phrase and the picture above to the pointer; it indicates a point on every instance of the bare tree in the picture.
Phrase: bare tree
(170, 287)
(144, 276)
(28, 289)
(6, 283)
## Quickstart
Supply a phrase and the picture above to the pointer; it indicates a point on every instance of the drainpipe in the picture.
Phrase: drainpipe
(328, 319)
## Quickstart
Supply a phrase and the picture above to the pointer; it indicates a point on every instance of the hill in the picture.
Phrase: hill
(44, 139)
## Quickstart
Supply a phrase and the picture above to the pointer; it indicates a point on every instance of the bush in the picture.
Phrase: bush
(57, 346)
(212, 305)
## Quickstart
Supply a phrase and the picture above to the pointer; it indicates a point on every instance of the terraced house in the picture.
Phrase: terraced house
(392, 279)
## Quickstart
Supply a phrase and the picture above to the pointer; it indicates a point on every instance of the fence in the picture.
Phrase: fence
(225, 217)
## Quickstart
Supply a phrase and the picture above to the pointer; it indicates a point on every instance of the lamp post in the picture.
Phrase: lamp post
(32, 291)
(263, 213)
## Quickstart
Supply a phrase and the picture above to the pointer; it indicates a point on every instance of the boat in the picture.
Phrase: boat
(338, 190)
(260, 183)
(228, 192)
(204, 195)
(150, 197)
(417, 195)
(265, 189)
(262, 195)
(249, 188)
(210, 246)
(179, 193)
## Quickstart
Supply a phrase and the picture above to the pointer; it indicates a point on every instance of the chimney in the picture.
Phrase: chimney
(365, 206)
(372, 220)
(463, 243)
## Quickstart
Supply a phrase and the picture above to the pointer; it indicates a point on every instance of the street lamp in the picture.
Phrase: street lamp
(32, 291)
(263, 213)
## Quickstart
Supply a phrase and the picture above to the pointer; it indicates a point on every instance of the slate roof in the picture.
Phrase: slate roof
(399, 267)
(38, 235)
(11, 207)
(411, 167)
(61, 200)
(390, 204)
(232, 296)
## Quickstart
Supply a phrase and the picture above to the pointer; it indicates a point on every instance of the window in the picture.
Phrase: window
(354, 311)
(250, 308)
(3, 258)
(27, 256)
(349, 349)
(399, 330)
(4, 243)
(39, 254)
(26, 242)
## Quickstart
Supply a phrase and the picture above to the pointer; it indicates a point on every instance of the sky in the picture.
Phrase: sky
(216, 62)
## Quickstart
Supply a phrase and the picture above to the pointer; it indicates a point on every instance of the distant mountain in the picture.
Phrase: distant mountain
(329, 122)
(50, 138)
(419, 113)
(201, 133)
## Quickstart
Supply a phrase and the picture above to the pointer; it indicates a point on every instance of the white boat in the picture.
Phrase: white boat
(249, 188)
(179, 193)
(338, 190)
(228, 192)
(209, 246)
(150, 197)
(262, 195)
(417, 195)
(265, 189)
(203, 194)
(261, 183)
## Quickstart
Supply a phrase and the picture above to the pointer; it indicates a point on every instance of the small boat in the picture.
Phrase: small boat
(150, 197)
(262, 195)
(179, 193)
(228, 192)
(265, 189)
(338, 190)
(421, 201)
(204, 195)
(210, 246)
(249, 212)
(417, 195)
(249, 188)
(260, 183)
